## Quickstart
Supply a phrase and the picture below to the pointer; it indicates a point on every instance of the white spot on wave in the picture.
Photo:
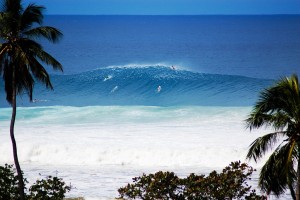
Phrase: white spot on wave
(114, 89)
(107, 78)
(158, 89)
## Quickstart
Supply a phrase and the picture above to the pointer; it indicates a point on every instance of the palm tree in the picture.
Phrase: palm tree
(21, 57)
(278, 108)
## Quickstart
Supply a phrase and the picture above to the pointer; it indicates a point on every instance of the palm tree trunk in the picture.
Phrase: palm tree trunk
(292, 190)
(13, 141)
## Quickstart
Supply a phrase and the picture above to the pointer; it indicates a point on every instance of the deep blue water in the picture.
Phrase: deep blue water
(219, 60)
(255, 46)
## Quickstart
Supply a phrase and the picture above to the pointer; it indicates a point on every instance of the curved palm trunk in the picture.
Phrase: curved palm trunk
(293, 194)
(13, 141)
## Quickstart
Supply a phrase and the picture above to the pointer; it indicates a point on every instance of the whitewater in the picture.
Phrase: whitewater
(120, 109)
(100, 148)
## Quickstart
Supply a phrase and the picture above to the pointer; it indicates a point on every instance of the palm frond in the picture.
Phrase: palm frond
(25, 55)
(278, 172)
(258, 119)
(261, 145)
(25, 81)
(11, 6)
(49, 60)
(269, 180)
(17, 62)
(13, 10)
(30, 45)
(3, 65)
(8, 25)
(32, 14)
(287, 93)
(34, 49)
(281, 97)
(270, 110)
(3, 22)
(295, 84)
(50, 33)
(3, 50)
(40, 72)
(7, 76)
(280, 120)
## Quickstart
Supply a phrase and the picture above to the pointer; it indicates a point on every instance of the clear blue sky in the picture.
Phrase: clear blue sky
(169, 7)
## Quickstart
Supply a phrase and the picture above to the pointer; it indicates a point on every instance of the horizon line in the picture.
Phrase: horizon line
(171, 14)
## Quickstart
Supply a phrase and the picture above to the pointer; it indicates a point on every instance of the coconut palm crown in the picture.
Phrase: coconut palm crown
(278, 108)
(19, 50)
(21, 57)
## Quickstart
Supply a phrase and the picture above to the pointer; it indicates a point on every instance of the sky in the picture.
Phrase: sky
(168, 7)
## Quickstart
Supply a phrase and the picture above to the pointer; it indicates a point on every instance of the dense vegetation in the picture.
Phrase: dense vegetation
(278, 107)
(50, 188)
(231, 183)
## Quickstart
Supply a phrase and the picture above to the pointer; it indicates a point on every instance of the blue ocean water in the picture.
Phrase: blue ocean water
(255, 46)
(219, 60)
(148, 86)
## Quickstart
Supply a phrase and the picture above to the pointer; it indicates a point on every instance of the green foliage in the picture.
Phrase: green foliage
(161, 185)
(278, 107)
(51, 188)
(8, 183)
(231, 183)
(21, 55)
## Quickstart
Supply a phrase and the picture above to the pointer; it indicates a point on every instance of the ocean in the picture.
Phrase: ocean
(141, 94)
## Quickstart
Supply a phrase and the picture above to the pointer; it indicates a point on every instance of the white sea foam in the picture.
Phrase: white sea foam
(107, 78)
(172, 66)
(99, 149)
(114, 89)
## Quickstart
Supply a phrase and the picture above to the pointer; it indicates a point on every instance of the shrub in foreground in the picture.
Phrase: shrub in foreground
(51, 188)
(231, 183)
(9, 188)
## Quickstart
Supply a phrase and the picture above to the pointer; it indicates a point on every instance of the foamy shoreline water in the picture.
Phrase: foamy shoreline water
(100, 148)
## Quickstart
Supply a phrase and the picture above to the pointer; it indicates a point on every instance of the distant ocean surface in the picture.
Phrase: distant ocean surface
(147, 93)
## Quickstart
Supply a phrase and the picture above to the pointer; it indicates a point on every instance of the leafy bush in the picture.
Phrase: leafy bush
(8, 183)
(51, 188)
(229, 184)
(161, 185)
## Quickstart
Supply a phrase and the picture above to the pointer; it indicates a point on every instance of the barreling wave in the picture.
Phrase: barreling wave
(147, 85)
